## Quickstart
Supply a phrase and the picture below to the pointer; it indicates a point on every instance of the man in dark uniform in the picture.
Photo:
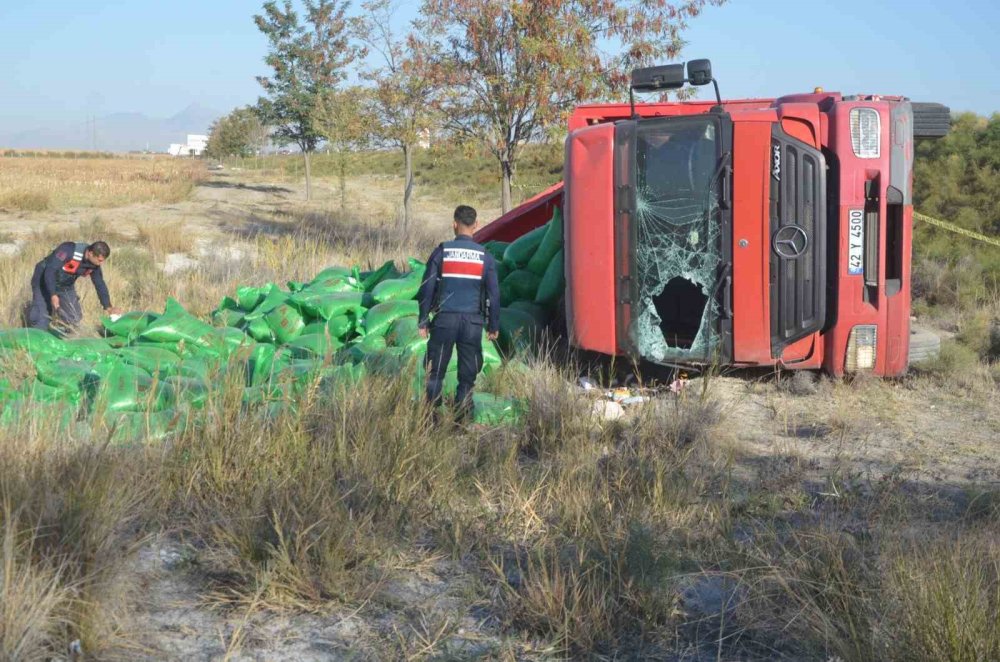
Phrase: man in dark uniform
(461, 288)
(53, 295)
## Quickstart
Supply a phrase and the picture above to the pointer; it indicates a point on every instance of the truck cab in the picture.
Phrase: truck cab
(753, 232)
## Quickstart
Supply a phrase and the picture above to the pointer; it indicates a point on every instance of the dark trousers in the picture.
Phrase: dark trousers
(40, 315)
(450, 330)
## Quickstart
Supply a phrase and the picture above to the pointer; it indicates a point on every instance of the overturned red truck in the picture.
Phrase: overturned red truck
(754, 232)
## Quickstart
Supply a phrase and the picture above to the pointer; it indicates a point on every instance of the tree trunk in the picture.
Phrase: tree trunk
(342, 162)
(508, 174)
(305, 155)
(408, 187)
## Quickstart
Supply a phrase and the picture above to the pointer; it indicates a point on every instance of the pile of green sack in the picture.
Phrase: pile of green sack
(532, 282)
(152, 373)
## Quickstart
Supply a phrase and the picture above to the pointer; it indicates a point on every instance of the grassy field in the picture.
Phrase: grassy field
(41, 183)
(661, 535)
(448, 172)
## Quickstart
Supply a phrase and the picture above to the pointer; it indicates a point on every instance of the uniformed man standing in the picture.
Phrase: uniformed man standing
(462, 291)
(53, 295)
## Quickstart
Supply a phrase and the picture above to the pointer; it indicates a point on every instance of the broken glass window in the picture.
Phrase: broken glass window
(678, 247)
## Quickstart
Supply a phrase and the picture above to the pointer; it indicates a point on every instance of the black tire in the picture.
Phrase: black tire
(931, 120)
(925, 345)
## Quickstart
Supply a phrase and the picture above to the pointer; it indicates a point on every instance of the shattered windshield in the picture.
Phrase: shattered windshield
(677, 240)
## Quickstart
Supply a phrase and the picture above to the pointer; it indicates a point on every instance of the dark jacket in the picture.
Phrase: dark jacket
(461, 277)
(65, 265)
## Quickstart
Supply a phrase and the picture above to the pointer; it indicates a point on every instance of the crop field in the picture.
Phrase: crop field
(749, 516)
(43, 182)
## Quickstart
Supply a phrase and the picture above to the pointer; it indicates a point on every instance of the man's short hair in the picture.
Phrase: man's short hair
(100, 249)
(465, 215)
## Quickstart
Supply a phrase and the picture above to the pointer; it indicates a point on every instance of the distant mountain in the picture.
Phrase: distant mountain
(118, 132)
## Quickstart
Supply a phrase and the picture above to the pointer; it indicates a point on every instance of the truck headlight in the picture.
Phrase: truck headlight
(866, 132)
(861, 348)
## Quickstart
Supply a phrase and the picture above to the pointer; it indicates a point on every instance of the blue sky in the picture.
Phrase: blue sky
(64, 60)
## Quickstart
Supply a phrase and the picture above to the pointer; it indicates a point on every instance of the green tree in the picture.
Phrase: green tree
(402, 94)
(515, 68)
(307, 58)
(344, 119)
(957, 179)
(240, 133)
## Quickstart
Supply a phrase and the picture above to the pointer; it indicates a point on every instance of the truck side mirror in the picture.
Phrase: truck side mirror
(699, 72)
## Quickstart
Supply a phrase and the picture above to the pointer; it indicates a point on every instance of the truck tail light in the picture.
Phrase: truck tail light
(866, 132)
(861, 348)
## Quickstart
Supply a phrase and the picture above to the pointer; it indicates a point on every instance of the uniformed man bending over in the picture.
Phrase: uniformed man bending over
(53, 295)
(462, 292)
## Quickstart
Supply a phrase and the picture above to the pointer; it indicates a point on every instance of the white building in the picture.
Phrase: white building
(194, 146)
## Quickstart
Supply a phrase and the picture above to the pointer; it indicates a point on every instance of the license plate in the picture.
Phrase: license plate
(856, 242)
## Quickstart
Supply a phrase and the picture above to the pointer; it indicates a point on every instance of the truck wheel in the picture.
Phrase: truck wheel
(925, 345)
(930, 120)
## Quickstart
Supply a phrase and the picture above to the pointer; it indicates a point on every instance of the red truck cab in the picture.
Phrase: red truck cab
(755, 232)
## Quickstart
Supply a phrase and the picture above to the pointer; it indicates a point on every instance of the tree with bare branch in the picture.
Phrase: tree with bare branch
(402, 93)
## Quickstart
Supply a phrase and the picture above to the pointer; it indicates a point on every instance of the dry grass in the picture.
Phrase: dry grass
(37, 184)
(582, 537)
(165, 238)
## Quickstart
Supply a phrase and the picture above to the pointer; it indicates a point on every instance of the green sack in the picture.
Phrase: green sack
(502, 271)
(449, 386)
(150, 358)
(314, 327)
(553, 284)
(521, 249)
(274, 296)
(40, 392)
(66, 374)
(130, 388)
(379, 317)
(341, 326)
(551, 244)
(370, 279)
(522, 285)
(232, 339)
(258, 329)
(518, 329)
(496, 249)
(489, 409)
(332, 273)
(540, 313)
(227, 317)
(314, 345)
(249, 297)
(134, 427)
(189, 390)
(129, 325)
(295, 286)
(87, 349)
(491, 355)
(260, 363)
(333, 285)
(324, 305)
(286, 322)
(195, 368)
(398, 289)
(176, 325)
(403, 331)
(32, 341)
(374, 342)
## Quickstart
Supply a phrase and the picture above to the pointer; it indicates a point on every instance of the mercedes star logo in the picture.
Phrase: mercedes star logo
(790, 241)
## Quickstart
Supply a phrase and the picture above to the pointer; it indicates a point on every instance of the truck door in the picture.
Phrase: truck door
(673, 238)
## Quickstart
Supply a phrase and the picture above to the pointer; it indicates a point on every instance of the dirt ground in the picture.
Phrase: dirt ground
(802, 437)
